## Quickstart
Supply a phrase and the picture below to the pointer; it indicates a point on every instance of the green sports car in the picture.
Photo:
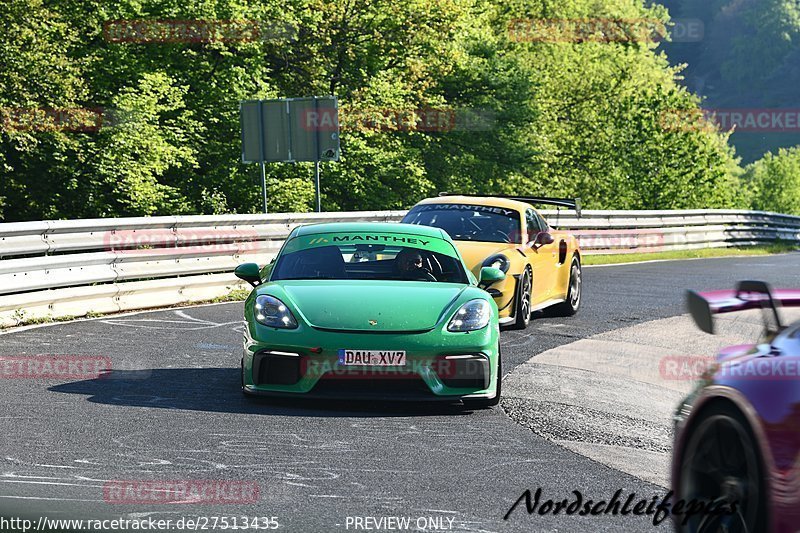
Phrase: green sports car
(371, 310)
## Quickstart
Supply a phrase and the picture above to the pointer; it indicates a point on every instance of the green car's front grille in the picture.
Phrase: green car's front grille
(271, 368)
(336, 386)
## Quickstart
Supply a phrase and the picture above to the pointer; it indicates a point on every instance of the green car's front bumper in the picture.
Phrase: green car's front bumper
(440, 365)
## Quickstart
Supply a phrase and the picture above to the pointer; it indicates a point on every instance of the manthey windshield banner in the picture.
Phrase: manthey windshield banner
(466, 207)
(422, 242)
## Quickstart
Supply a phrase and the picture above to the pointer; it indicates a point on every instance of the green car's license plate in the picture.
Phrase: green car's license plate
(372, 358)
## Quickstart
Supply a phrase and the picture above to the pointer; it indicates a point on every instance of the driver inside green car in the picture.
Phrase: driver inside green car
(410, 266)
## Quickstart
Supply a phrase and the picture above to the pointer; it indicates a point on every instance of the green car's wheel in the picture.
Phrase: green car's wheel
(498, 389)
(571, 305)
(522, 307)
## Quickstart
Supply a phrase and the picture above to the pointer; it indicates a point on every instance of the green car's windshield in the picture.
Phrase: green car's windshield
(469, 222)
(368, 262)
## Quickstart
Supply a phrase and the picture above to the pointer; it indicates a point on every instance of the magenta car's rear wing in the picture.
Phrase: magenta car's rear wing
(747, 295)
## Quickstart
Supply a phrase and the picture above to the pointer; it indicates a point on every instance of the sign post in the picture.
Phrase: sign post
(316, 186)
(290, 130)
(262, 159)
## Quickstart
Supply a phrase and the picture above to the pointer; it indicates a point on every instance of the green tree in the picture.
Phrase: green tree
(571, 118)
(599, 109)
(775, 182)
(147, 139)
(38, 77)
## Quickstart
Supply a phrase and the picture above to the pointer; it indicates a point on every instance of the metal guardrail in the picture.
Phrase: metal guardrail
(77, 267)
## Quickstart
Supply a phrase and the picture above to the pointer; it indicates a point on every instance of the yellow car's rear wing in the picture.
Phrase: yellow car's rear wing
(569, 203)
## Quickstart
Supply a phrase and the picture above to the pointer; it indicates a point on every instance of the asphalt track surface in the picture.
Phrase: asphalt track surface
(172, 410)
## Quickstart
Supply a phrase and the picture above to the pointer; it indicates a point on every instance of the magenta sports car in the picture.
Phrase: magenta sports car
(737, 436)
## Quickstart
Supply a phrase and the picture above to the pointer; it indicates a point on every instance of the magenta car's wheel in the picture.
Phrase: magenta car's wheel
(721, 462)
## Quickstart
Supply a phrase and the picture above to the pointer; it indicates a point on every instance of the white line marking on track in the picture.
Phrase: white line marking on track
(24, 482)
(189, 322)
(104, 318)
(47, 499)
(17, 461)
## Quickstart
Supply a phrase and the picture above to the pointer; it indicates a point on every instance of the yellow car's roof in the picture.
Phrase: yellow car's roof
(478, 200)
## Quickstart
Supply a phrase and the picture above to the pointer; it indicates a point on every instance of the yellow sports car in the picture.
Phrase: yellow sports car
(543, 265)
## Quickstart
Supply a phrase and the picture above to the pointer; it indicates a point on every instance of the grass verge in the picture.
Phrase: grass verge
(613, 259)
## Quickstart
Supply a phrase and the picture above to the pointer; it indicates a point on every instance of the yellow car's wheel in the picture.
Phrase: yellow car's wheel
(522, 305)
(571, 305)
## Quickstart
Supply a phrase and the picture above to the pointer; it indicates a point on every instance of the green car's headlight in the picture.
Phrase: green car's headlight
(474, 314)
(272, 312)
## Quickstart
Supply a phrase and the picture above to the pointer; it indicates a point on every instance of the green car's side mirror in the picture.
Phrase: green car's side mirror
(490, 275)
(250, 273)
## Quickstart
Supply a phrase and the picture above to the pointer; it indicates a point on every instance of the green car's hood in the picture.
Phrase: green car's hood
(352, 304)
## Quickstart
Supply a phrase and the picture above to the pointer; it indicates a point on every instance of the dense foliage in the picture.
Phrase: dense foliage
(775, 181)
(748, 57)
(558, 117)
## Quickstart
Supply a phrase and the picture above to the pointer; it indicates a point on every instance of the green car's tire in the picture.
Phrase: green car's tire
(522, 301)
(484, 403)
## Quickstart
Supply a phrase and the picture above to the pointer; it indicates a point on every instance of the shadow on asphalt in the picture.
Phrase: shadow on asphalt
(218, 390)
